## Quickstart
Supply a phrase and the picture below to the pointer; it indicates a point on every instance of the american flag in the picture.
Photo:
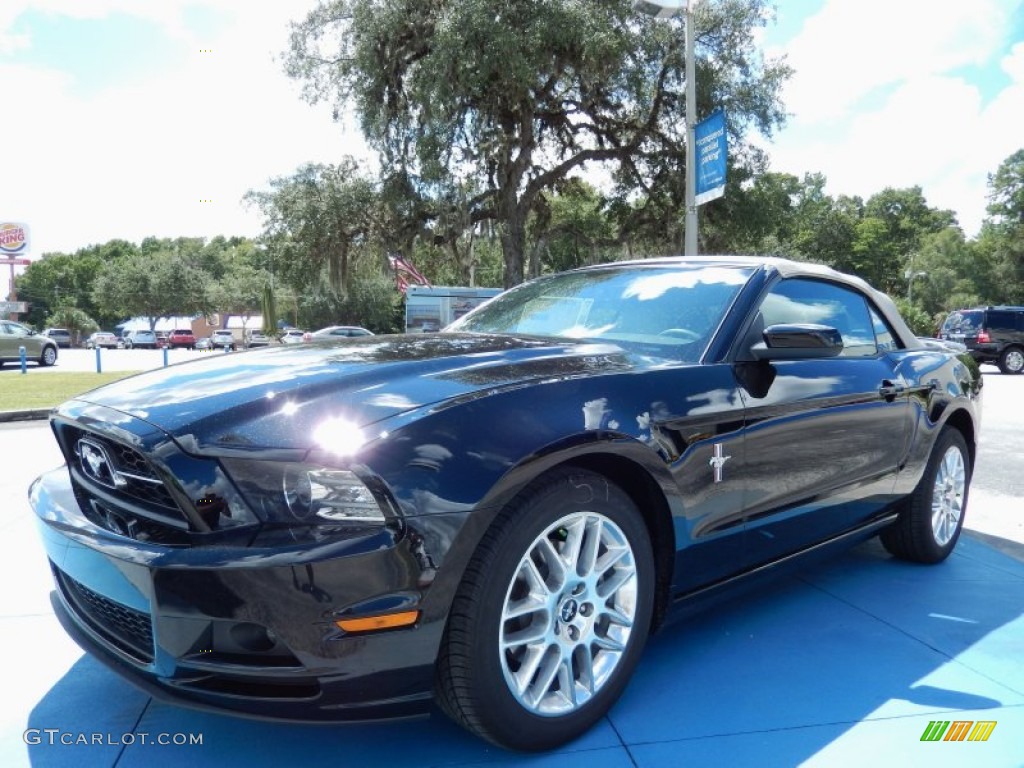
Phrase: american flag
(405, 272)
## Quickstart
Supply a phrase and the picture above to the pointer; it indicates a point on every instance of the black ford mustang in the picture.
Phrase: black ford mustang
(496, 516)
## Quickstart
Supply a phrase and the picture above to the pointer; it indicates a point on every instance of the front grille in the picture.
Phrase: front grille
(125, 522)
(119, 489)
(127, 629)
(140, 480)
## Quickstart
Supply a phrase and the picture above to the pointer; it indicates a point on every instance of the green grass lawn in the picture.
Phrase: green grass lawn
(45, 390)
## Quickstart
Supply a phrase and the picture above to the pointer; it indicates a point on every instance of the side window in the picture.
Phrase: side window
(1002, 321)
(884, 337)
(800, 300)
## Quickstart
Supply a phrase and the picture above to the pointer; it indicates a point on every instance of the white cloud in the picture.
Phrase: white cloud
(1013, 63)
(135, 160)
(854, 47)
(881, 97)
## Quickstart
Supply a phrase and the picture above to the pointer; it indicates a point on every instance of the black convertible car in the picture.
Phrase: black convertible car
(498, 515)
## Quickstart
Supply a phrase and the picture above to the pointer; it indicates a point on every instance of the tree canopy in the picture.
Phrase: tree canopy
(487, 104)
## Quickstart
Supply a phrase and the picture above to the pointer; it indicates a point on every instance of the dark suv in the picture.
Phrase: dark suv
(992, 335)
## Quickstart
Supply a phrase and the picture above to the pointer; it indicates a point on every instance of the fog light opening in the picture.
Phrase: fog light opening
(252, 637)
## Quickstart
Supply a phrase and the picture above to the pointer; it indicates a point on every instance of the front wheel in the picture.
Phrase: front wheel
(933, 516)
(552, 614)
(49, 356)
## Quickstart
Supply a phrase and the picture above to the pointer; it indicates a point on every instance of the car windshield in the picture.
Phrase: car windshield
(670, 310)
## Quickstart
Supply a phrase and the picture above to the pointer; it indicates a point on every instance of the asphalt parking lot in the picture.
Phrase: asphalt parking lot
(845, 663)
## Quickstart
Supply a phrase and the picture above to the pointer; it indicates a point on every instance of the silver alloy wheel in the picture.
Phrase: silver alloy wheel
(1014, 360)
(568, 614)
(948, 495)
(49, 356)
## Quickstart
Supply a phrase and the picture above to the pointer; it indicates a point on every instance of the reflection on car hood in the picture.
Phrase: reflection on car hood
(276, 397)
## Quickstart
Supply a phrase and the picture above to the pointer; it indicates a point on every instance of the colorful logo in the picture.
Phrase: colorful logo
(13, 238)
(958, 730)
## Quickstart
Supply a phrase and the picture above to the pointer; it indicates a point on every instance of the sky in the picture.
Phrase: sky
(135, 118)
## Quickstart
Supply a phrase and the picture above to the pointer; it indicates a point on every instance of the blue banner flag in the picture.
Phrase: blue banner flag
(711, 154)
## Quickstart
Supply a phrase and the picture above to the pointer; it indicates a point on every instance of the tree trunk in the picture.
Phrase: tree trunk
(539, 247)
(513, 247)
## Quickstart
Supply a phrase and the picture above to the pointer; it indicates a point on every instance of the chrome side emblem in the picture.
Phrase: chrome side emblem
(718, 461)
(96, 464)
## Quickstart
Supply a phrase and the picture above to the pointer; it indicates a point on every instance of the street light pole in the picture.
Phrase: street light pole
(910, 275)
(690, 244)
(663, 9)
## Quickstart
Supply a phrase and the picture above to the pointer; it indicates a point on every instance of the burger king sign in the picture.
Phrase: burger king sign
(13, 239)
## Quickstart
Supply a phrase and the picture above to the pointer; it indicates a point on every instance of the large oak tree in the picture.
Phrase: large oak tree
(506, 98)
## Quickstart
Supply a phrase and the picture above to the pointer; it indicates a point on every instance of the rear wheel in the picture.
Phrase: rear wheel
(933, 516)
(551, 616)
(1012, 360)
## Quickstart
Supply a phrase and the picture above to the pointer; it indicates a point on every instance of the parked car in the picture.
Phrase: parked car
(256, 339)
(204, 342)
(341, 331)
(293, 336)
(991, 334)
(140, 340)
(499, 514)
(102, 339)
(62, 336)
(181, 338)
(38, 348)
(223, 339)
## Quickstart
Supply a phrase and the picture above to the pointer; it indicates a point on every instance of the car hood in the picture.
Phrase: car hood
(277, 397)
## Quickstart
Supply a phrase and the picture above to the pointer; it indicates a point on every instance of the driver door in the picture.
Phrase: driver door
(826, 437)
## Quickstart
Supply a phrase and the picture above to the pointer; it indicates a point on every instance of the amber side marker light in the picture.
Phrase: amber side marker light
(372, 623)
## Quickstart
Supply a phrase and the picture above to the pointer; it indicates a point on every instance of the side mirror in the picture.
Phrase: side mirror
(798, 341)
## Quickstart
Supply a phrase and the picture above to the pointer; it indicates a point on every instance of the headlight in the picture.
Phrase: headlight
(306, 494)
(332, 495)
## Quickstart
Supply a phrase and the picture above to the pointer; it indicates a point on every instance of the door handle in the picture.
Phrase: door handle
(889, 390)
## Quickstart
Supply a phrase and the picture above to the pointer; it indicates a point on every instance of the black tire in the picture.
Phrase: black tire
(570, 624)
(925, 531)
(48, 356)
(1011, 362)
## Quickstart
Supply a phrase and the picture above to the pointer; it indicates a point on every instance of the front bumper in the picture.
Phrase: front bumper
(244, 629)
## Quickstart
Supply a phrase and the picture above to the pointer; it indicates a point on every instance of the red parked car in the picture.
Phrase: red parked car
(181, 338)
